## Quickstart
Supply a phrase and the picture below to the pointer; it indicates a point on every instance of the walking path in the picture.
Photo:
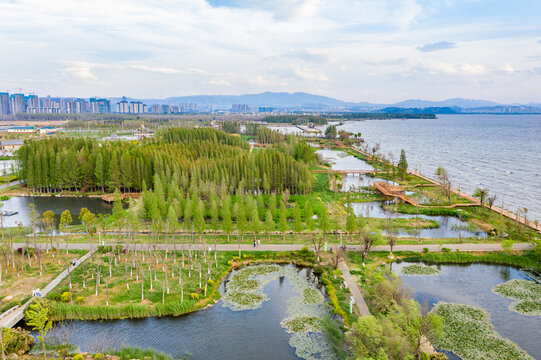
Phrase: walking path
(295, 247)
(360, 304)
(13, 183)
(11, 318)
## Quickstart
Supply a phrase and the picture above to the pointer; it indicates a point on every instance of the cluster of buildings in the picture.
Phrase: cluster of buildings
(11, 104)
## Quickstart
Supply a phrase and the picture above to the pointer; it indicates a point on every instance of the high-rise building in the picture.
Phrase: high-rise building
(123, 107)
(17, 103)
(241, 108)
(156, 108)
(100, 106)
(5, 107)
(137, 107)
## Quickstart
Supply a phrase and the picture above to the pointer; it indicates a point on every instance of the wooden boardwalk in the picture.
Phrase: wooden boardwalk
(111, 197)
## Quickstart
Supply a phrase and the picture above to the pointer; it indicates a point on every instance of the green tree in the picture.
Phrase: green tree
(325, 222)
(481, 194)
(309, 216)
(330, 132)
(283, 220)
(37, 318)
(403, 164)
(297, 222)
(227, 223)
(65, 222)
(269, 224)
(99, 172)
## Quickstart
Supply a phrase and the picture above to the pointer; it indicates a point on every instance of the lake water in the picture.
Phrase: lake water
(213, 333)
(471, 285)
(498, 152)
(55, 203)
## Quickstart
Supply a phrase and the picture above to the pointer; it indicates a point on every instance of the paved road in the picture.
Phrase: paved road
(293, 247)
(360, 304)
(10, 184)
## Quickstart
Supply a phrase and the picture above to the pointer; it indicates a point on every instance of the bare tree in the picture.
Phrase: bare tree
(317, 242)
(367, 240)
(443, 178)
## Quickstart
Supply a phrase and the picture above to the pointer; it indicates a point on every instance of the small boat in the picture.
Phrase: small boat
(8, 213)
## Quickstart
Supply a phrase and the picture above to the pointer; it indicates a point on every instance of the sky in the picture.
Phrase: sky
(380, 51)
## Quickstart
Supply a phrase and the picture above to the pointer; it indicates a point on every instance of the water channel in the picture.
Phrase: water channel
(471, 285)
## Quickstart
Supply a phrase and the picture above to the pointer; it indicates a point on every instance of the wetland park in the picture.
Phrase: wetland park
(243, 242)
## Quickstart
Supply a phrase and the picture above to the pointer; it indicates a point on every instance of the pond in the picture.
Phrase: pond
(471, 285)
(354, 182)
(55, 203)
(214, 333)
(448, 224)
(343, 161)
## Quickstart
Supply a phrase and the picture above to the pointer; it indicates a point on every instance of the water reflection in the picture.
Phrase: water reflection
(56, 204)
(471, 285)
(450, 226)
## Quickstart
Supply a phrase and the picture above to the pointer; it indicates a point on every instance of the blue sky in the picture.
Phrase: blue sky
(367, 50)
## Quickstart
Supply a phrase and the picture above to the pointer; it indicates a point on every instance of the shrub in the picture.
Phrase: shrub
(78, 357)
(305, 249)
(98, 356)
(236, 258)
(79, 300)
(425, 250)
(195, 296)
(230, 263)
(65, 297)
(438, 356)
(55, 296)
(445, 250)
(210, 282)
(318, 270)
(4, 198)
(20, 342)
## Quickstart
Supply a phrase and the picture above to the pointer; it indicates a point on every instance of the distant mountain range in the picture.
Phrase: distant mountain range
(302, 100)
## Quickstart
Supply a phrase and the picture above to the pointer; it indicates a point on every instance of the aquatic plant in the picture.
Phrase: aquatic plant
(245, 289)
(526, 293)
(416, 269)
(468, 332)
(301, 324)
(304, 311)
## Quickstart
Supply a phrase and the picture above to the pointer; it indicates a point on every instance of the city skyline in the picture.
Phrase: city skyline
(379, 52)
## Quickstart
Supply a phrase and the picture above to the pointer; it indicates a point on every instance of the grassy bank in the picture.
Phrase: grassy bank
(527, 259)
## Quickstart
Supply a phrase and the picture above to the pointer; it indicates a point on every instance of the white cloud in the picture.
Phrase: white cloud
(340, 47)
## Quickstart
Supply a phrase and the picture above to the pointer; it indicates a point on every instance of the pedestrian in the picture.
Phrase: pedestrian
(255, 244)
(33, 292)
(258, 242)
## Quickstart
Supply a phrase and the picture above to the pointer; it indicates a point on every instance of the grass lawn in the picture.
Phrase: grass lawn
(19, 282)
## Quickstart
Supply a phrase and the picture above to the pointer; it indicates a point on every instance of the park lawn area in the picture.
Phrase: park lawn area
(20, 287)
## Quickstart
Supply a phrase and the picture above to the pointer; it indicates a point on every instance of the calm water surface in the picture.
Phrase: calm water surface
(498, 152)
(471, 285)
(449, 225)
(56, 204)
(214, 333)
